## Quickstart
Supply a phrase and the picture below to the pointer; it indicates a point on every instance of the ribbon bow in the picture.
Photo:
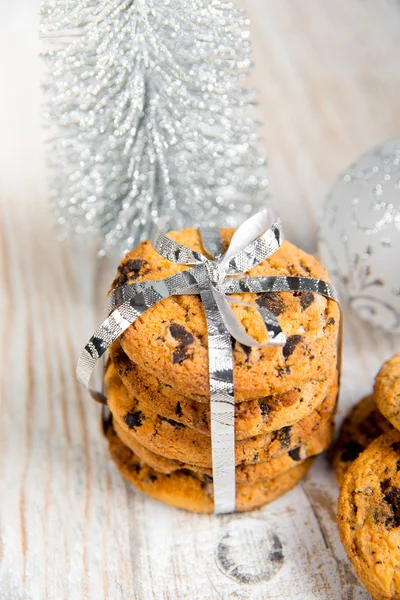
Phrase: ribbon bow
(213, 279)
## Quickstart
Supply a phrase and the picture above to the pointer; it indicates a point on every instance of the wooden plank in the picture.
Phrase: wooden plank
(69, 526)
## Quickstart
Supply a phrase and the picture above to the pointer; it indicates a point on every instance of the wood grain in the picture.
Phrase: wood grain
(69, 526)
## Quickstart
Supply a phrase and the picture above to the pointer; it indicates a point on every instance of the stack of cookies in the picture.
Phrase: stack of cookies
(157, 386)
(367, 465)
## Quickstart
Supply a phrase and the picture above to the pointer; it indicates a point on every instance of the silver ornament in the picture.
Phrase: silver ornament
(147, 116)
(359, 238)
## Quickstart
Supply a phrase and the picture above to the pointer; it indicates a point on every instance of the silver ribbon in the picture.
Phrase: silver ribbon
(214, 279)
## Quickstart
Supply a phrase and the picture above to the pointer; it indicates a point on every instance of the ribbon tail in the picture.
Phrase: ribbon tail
(276, 337)
(112, 328)
(248, 232)
(212, 241)
(246, 249)
(222, 403)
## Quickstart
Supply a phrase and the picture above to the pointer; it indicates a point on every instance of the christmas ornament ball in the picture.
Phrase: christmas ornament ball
(359, 236)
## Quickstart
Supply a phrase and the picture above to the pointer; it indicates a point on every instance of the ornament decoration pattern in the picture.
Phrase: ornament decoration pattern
(359, 236)
(148, 116)
(255, 240)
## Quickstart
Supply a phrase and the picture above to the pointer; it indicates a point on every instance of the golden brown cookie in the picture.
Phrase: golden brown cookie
(369, 516)
(387, 390)
(252, 418)
(244, 473)
(170, 339)
(362, 425)
(183, 489)
(174, 440)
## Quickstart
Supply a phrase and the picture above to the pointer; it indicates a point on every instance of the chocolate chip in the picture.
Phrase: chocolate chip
(134, 420)
(284, 436)
(180, 354)
(152, 477)
(306, 299)
(291, 342)
(272, 301)
(134, 264)
(255, 457)
(172, 422)
(392, 498)
(186, 472)
(178, 410)
(331, 321)
(295, 453)
(120, 280)
(350, 451)
(283, 372)
(182, 335)
(129, 271)
(396, 447)
(265, 409)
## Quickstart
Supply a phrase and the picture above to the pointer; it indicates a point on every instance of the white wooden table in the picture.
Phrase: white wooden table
(328, 75)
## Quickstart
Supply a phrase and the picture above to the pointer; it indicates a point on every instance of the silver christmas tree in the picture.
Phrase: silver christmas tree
(148, 115)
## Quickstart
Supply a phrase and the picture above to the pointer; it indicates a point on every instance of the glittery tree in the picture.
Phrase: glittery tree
(148, 115)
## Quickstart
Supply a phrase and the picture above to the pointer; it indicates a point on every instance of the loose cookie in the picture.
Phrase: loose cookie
(170, 339)
(174, 440)
(387, 390)
(183, 489)
(369, 516)
(362, 425)
(244, 473)
(252, 418)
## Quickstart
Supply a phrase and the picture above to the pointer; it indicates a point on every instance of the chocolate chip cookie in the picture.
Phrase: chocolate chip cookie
(362, 425)
(252, 418)
(170, 339)
(183, 489)
(387, 390)
(369, 516)
(172, 439)
(244, 473)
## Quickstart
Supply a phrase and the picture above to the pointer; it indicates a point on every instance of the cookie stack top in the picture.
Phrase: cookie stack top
(170, 339)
